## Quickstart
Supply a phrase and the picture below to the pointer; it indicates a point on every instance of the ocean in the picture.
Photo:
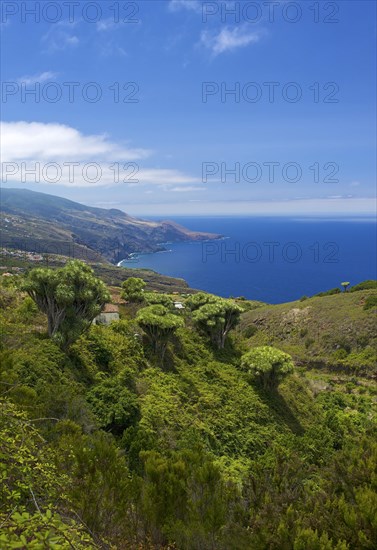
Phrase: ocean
(269, 259)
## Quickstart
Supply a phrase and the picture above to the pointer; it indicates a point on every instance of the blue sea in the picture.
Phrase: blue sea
(269, 259)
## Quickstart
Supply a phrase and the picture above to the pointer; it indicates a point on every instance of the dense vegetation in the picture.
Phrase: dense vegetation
(213, 444)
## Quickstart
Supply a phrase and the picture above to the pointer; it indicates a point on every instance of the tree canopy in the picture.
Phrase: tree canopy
(70, 296)
(159, 325)
(199, 299)
(133, 289)
(153, 298)
(216, 318)
(267, 365)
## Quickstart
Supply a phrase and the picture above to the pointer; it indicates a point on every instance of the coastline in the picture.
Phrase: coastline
(134, 256)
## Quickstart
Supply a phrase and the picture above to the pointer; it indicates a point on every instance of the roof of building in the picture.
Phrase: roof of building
(110, 308)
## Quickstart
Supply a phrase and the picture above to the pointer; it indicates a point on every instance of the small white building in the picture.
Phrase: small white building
(109, 313)
(179, 305)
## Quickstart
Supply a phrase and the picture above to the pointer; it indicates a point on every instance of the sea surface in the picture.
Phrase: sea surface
(269, 259)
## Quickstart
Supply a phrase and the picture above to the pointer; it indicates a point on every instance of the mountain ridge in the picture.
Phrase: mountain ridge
(40, 222)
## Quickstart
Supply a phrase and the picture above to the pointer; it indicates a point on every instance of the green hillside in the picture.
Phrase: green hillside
(109, 445)
(337, 331)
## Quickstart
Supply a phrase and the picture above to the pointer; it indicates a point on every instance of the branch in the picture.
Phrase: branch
(46, 418)
(34, 499)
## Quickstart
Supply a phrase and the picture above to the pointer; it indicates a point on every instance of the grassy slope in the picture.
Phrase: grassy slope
(329, 330)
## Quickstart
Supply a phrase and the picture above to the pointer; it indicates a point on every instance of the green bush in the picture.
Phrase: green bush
(370, 302)
(249, 331)
(328, 292)
(114, 405)
(340, 354)
(309, 342)
(371, 284)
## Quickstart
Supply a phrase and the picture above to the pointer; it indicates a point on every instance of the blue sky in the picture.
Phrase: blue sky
(298, 133)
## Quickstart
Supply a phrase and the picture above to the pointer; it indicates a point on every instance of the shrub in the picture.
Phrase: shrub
(370, 302)
(114, 405)
(371, 284)
(250, 331)
(328, 292)
(340, 354)
(309, 342)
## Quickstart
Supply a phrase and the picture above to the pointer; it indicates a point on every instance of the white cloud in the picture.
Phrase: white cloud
(54, 142)
(106, 24)
(33, 79)
(72, 40)
(162, 176)
(190, 5)
(229, 39)
(187, 189)
(59, 37)
(35, 145)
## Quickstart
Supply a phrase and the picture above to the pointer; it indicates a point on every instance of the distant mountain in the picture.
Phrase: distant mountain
(38, 222)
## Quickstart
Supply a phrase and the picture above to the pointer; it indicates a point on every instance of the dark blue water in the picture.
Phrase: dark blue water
(273, 260)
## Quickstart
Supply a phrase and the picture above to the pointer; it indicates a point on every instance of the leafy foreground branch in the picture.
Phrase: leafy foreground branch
(35, 511)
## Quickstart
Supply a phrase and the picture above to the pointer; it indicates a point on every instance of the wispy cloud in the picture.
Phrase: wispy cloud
(41, 77)
(60, 37)
(110, 49)
(187, 189)
(106, 24)
(165, 177)
(230, 39)
(190, 5)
